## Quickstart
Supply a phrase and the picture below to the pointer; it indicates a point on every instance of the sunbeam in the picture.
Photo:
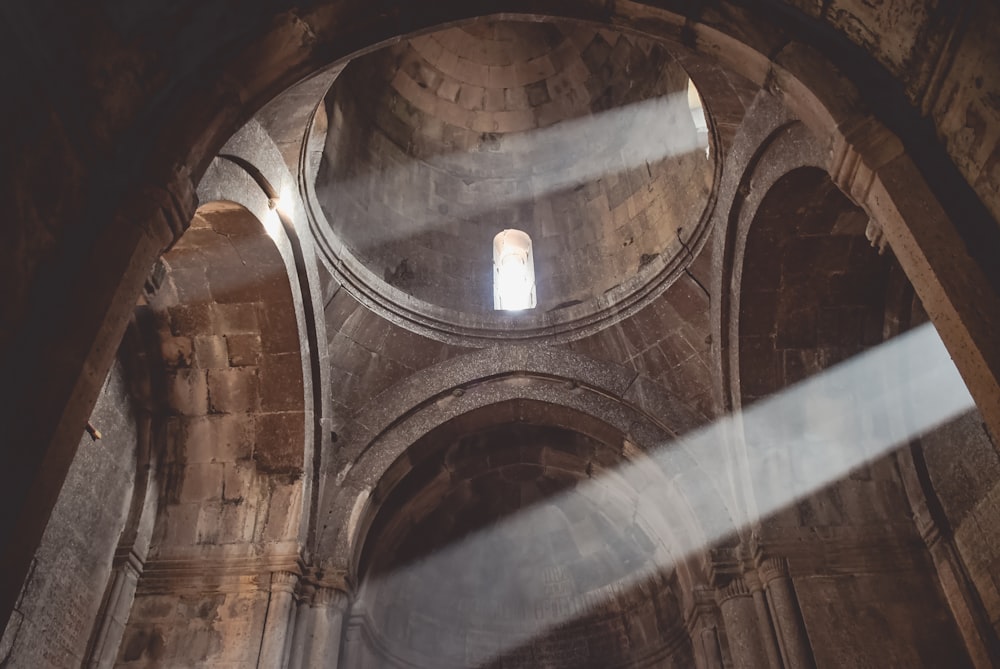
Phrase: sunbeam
(533, 164)
(801, 439)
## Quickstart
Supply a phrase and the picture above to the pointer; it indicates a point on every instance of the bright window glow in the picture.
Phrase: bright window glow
(698, 116)
(513, 271)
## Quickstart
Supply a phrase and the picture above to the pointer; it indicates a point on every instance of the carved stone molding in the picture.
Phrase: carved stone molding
(752, 581)
(860, 149)
(878, 549)
(126, 557)
(219, 574)
(330, 597)
(875, 235)
(737, 587)
(771, 568)
(703, 610)
(722, 565)
(284, 581)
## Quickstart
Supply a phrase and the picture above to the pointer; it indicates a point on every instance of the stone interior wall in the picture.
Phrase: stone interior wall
(369, 354)
(235, 425)
(234, 434)
(200, 628)
(943, 54)
(667, 343)
(888, 616)
(814, 294)
(944, 57)
(963, 469)
(968, 117)
(960, 499)
(60, 601)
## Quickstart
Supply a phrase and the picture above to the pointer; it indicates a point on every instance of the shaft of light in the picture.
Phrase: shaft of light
(794, 443)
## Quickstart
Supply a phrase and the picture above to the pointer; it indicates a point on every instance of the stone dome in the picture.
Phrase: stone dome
(584, 139)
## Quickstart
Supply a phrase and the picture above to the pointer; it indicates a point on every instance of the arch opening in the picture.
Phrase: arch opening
(452, 576)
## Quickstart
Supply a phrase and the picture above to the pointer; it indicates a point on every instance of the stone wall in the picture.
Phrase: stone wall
(110, 145)
(62, 597)
(369, 354)
(233, 461)
(970, 496)
(207, 626)
(814, 293)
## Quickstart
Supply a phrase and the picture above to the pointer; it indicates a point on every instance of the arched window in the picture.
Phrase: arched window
(698, 115)
(513, 271)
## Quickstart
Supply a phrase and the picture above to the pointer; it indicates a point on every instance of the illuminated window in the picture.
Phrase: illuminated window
(698, 115)
(513, 271)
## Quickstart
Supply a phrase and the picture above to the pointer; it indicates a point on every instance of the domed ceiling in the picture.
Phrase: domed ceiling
(584, 139)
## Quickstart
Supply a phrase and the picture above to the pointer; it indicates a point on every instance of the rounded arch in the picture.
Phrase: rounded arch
(813, 288)
(770, 146)
(229, 345)
(578, 393)
(812, 294)
(809, 83)
(671, 412)
(511, 525)
(868, 162)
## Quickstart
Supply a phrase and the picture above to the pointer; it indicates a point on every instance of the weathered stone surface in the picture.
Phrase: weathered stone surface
(60, 601)
(253, 468)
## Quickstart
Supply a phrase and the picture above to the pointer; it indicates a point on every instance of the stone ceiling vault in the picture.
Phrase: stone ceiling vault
(582, 138)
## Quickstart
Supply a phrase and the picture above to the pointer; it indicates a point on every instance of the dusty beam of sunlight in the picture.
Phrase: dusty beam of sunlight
(794, 443)
(533, 164)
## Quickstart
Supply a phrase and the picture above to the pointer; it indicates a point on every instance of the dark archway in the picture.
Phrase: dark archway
(515, 544)
(814, 294)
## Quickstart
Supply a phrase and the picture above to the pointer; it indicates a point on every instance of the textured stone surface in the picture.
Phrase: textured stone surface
(883, 567)
(60, 601)
(463, 613)
(421, 172)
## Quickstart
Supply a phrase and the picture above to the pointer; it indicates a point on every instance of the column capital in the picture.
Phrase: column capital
(736, 587)
(771, 568)
(722, 564)
(861, 146)
(324, 597)
(752, 580)
(703, 609)
(284, 581)
(126, 558)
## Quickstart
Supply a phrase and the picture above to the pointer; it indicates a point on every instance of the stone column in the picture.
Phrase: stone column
(711, 649)
(355, 652)
(739, 615)
(277, 622)
(298, 650)
(328, 608)
(959, 590)
(786, 616)
(125, 577)
(702, 623)
(764, 624)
